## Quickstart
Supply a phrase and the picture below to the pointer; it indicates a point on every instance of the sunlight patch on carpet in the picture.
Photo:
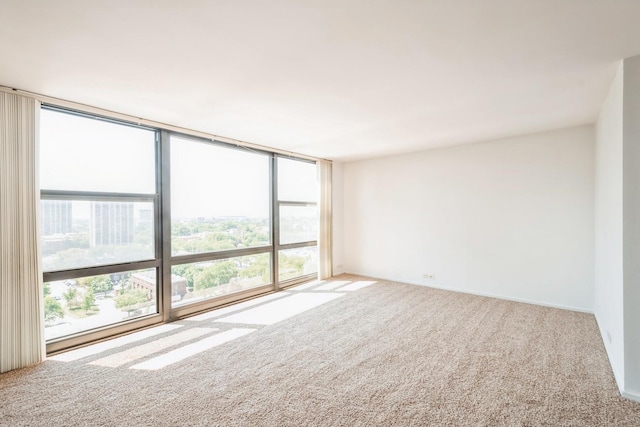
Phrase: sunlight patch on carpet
(281, 309)
(189, 350)
(356, 285)
(80, 353)
(144, 350)
(330, 286)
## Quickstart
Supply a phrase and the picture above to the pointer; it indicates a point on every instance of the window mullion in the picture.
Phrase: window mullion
(165, 221)
(275, 224)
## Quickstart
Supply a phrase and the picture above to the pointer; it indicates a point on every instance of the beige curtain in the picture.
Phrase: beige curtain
(325, 261)
(21, 310)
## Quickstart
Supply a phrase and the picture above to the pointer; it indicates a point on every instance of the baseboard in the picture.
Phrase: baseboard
(482, 294)
(616, 374)
(338, 271)
(631, 396)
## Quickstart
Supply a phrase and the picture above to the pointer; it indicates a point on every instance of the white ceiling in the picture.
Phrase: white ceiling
(343, 79)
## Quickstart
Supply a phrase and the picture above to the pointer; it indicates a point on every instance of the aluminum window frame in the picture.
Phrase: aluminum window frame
(163, 260)
(64, 342)
(276, 212)
(171, 260)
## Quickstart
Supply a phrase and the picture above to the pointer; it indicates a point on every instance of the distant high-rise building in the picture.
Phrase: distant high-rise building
(146, 216)
(55, 217)
(111, 223)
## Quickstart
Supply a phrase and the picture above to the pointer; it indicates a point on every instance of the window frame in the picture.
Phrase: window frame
(171, 260)
(276, 222)
(163, 260)
(66, 341)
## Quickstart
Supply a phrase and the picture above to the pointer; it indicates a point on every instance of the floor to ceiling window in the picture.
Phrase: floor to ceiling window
(99, 203)
(220, 220)
(140, 225)
(297, 210)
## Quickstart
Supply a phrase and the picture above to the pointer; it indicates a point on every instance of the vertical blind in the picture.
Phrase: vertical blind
(324, 239)
(21, 311)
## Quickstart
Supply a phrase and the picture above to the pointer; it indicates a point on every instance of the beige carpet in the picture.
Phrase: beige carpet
(361, 354)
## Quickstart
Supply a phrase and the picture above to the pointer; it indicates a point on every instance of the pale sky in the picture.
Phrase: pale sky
(206, 180)
(67, 141)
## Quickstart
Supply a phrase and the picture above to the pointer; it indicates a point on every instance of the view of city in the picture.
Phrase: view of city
(98, 220)
(79, 234)
(73, 306)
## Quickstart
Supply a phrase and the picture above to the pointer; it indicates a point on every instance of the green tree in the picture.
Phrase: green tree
(257, 266)
(88, 301)
(219, 273)
(219, 241)
(212, 234)
(100, 284)
(71, 297)
(52, 309)
(46, 290)
(130, 298)
(180, 230)
(291, 265)
(188, 271)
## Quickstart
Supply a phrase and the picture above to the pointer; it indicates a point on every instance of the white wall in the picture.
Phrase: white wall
(617, 226)
(511, 218)
(631, 225)
(608, 283)
(337, 201)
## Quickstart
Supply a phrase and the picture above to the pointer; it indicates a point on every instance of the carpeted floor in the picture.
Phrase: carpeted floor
(347, 352)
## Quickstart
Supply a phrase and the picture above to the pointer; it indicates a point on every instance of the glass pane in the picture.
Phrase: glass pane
(298, 224)
(73, 306)
(297, 262)
(219, 198)
(78, 233)
(297, 181)
(196, 282)
(82, 154)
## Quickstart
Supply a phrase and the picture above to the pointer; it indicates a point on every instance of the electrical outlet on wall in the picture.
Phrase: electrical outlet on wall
(429, 276)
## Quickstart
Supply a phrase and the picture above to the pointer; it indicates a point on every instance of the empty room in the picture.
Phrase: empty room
(320, 213)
